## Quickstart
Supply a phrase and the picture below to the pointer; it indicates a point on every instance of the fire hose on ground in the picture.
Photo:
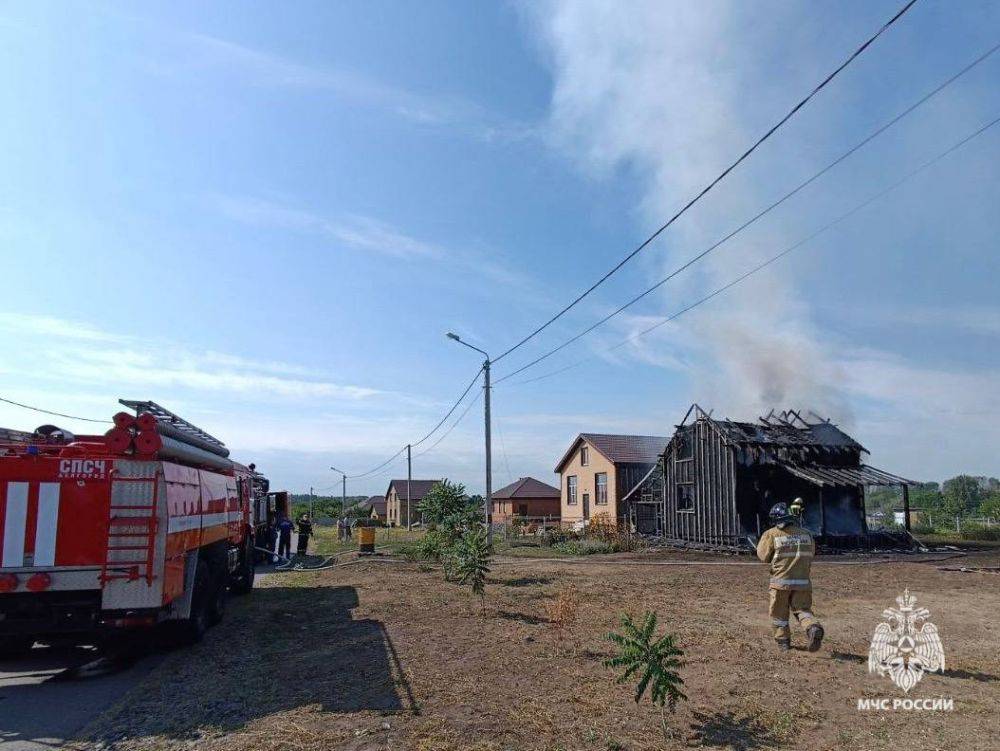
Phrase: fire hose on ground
(288, 565)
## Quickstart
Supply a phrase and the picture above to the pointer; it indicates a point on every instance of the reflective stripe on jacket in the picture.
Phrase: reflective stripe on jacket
(790, 551)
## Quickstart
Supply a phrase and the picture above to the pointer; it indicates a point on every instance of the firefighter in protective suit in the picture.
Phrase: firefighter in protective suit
(789, 548)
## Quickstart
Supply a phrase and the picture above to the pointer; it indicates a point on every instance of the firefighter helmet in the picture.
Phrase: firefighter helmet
(780, 515)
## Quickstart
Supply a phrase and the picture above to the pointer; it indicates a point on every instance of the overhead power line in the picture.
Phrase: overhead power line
(384, 464)
(453, 408)
(691, 261)
(913, 173)
(55, 414)
(432, 431)
(774, 128)
(452, 427)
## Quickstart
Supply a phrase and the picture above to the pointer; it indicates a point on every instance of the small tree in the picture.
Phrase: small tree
(442, 501)
(473, 553)
(654, 661)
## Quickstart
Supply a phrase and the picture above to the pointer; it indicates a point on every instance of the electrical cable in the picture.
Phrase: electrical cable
(780, 255)
(453, 426)
(899, 14)
(453, 407)
(433, 430)
(56, 414)
(690, 262)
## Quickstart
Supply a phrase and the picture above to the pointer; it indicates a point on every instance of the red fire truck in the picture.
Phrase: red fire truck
(150, 524)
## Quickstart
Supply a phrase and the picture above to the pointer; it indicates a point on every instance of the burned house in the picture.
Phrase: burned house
(717, 479)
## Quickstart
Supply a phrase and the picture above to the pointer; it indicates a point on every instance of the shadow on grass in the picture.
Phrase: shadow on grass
(533, 620)
(966, 675)
(279, 649)
(727, 730)
(527, 581)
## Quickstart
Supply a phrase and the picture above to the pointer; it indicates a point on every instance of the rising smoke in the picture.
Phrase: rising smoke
(659, 89)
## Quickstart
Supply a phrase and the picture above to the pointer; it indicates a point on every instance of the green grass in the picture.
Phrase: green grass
(325, 541)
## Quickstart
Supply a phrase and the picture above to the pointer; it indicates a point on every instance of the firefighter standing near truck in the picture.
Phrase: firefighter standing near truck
(285, 528)
(790, 549)
(305, 532)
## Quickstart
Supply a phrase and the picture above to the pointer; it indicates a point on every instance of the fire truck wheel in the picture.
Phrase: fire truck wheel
(193, 628)
(217, 602)
(243, 581)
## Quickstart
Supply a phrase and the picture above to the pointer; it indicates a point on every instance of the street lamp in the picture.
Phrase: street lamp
(488, 511)
(343, 492)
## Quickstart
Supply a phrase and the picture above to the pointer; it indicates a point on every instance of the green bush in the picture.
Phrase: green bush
(585, 547)
(557, 535)
(923, 529)
(431, 546)
(980, 532)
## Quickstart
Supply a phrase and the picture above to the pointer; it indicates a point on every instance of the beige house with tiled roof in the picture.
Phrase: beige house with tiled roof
(402, 501)
(598, 469)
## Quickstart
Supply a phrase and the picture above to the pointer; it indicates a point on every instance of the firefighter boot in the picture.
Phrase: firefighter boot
(815, 634)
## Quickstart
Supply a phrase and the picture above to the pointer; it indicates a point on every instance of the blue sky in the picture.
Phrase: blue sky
(266, 217)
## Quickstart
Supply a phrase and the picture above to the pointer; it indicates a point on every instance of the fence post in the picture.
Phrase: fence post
(958, 524)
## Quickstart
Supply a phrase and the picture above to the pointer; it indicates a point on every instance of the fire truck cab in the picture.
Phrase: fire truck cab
(148, 525)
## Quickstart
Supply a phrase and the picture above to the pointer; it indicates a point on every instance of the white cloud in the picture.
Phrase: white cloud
(196, 52)
(357, 232)
(48, 326)
(74, 352)
(367, 234)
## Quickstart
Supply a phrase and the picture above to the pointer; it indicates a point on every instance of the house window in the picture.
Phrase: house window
(571, 490)
(685, 497)
(522, 509)
(601, 483)
(584, 456)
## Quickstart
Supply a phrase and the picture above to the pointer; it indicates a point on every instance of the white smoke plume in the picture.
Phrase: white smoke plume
(661, 89)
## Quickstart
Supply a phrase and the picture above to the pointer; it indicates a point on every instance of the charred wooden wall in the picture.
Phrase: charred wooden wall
(699, 465)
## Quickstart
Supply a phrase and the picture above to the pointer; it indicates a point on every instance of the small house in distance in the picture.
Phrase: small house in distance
(526, 498)
(376, 508)
(718, 479)
(599, 469)
(402, 501)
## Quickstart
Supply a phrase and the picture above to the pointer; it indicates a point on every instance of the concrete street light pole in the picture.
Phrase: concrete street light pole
(488, 511)
(343, 492)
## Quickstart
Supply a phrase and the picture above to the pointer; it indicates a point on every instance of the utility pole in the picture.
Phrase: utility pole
(343, 492)
(409, 479)
(310, 503)
(488, 502)
(489, 453)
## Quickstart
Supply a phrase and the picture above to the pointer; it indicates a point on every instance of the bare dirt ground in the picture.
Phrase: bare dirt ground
(383, 655)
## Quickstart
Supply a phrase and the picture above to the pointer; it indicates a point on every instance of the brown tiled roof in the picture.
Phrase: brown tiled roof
(527, 487)
(377, 502)
(418, 488)
(634, 449)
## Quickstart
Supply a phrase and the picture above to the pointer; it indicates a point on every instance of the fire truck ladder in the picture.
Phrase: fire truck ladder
(132, 526)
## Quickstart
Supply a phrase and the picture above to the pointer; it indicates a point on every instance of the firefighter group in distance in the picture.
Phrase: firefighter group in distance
(790, 550)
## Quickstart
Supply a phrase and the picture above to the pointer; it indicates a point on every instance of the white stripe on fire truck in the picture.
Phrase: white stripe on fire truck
(195, 521)
(48, 520)
(13, 524)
